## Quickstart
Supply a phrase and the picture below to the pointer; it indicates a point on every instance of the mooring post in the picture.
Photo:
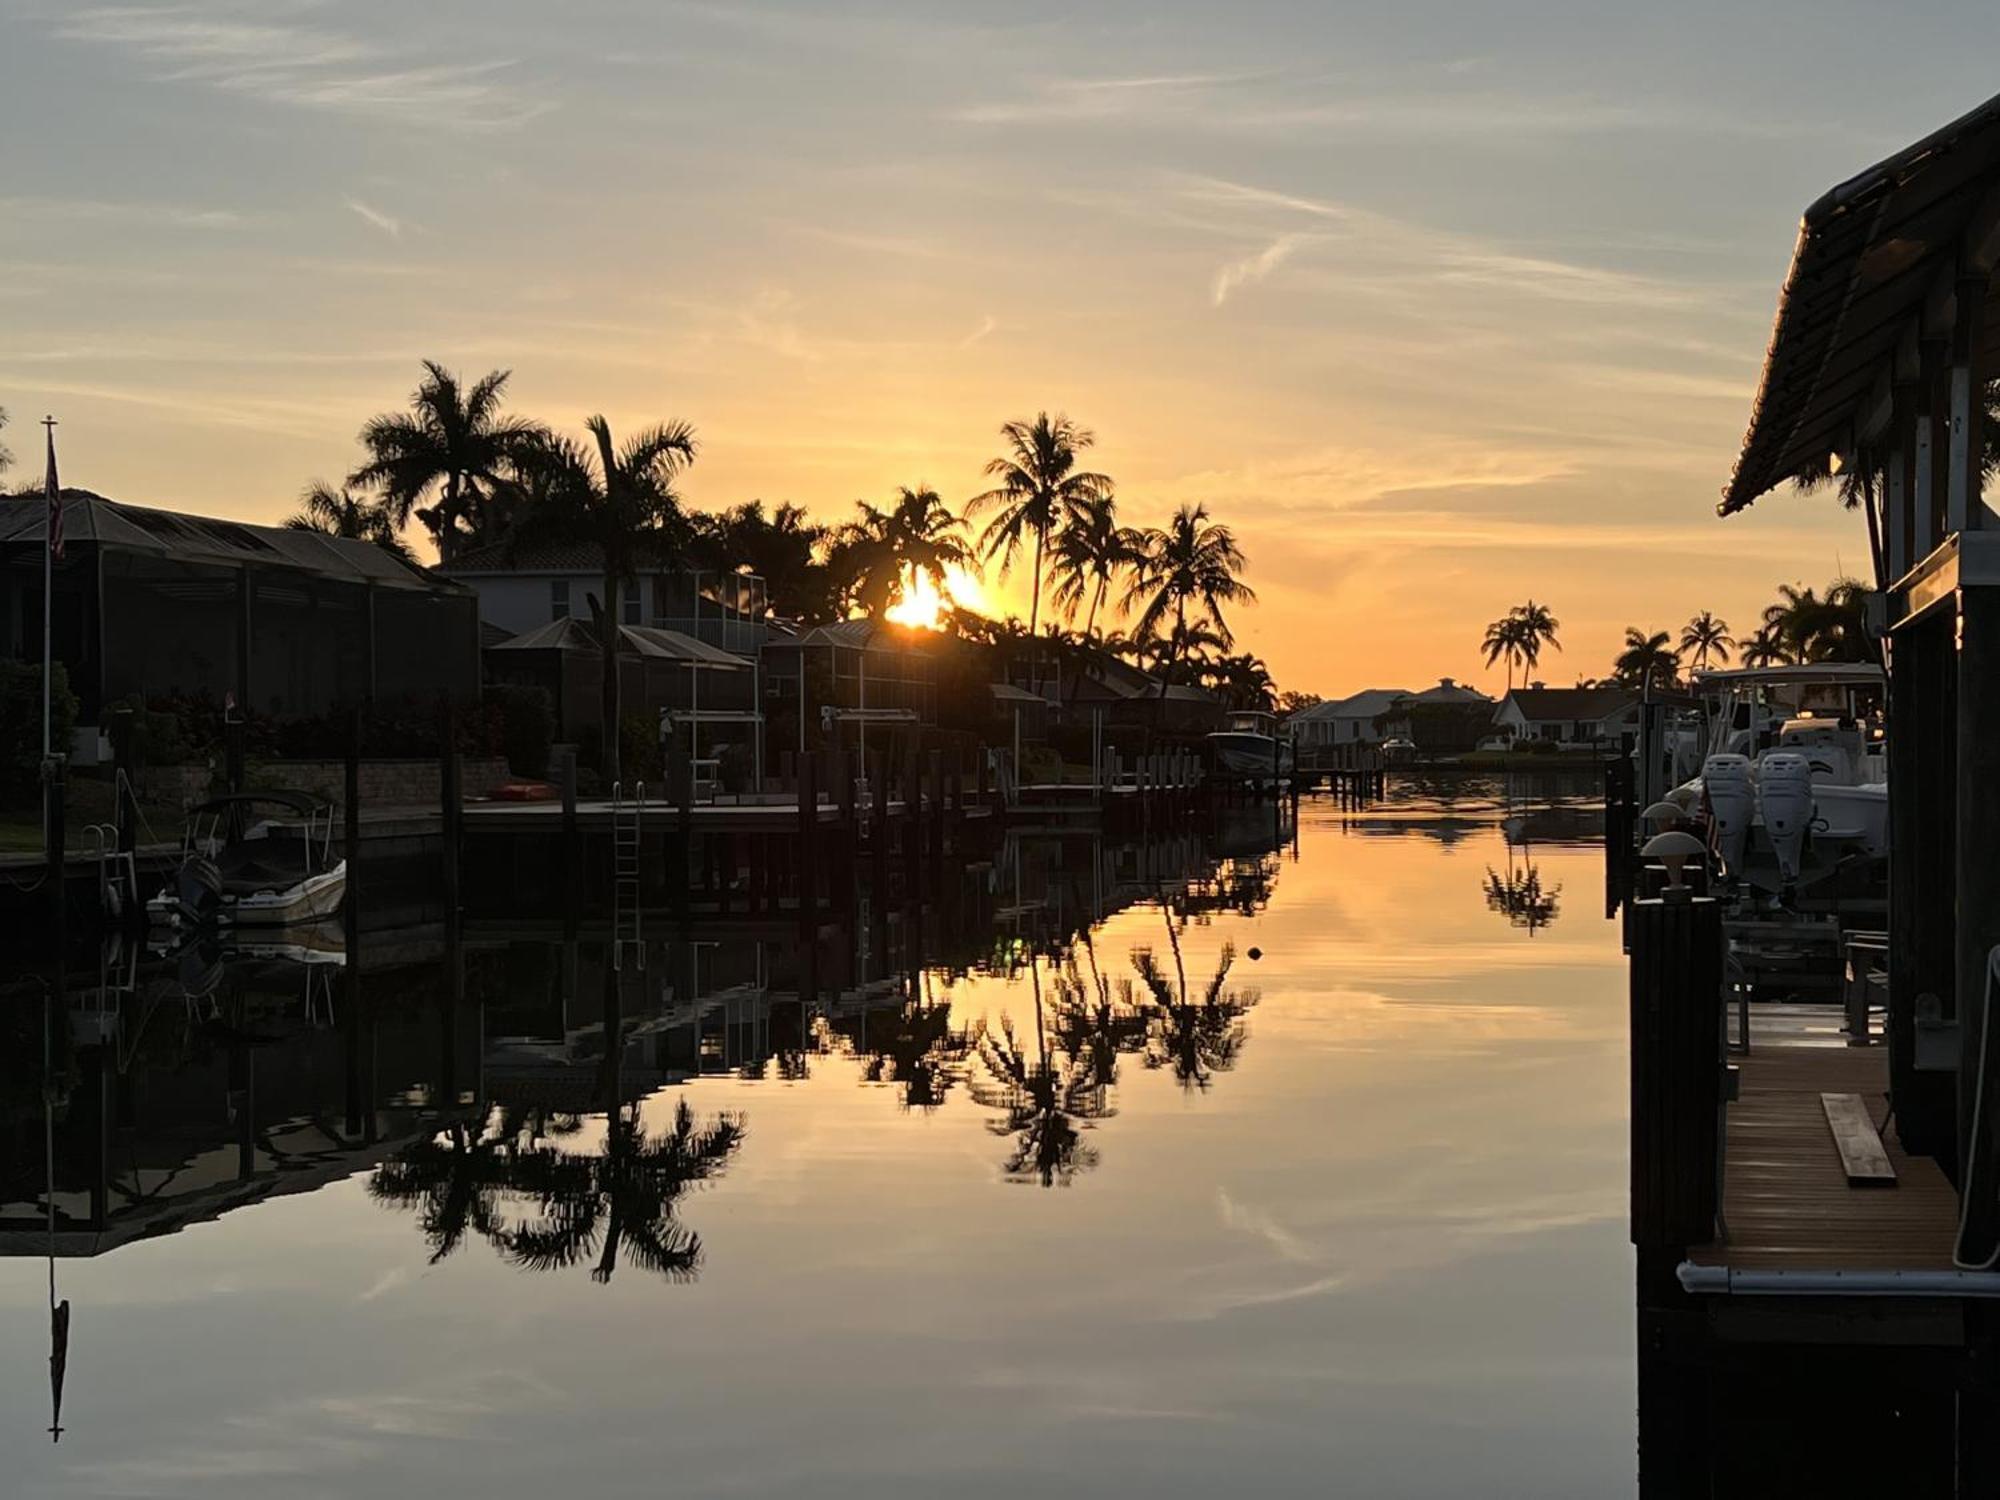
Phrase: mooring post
(350, 920)
(1677, 1070)
(680, 848)
(572, 854)
(808, 878)
(935, 812)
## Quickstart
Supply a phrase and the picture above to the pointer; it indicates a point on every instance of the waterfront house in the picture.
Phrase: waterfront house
(1575, 718)
(1344, 721)
(292, 624)
(522, 588)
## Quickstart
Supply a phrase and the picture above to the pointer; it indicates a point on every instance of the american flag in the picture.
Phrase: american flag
(55, 497)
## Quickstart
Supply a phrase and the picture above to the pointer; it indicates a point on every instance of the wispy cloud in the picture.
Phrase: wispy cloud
(1071, 99)
(175, 215)
(986, 325)
(243, 51)
(1255, 267)
(387, 223)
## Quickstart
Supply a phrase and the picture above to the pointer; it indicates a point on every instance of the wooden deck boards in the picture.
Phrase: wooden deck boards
(1787, 1203)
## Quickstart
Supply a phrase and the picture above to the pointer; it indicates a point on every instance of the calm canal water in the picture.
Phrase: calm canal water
(1140, 1215)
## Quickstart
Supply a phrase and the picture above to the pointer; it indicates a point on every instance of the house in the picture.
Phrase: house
(1439, 720)
(292, 624)
(1344, 721)
(1082, 685)
(524, 587)
(1568, 716)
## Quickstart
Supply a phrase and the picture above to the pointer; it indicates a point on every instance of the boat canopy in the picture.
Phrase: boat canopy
(1800, 674)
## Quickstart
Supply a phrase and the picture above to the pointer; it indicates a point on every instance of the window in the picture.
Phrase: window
(558, 598)
(628, 606)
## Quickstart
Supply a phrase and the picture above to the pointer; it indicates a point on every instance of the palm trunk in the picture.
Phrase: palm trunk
(1034, 614)
(608, 632)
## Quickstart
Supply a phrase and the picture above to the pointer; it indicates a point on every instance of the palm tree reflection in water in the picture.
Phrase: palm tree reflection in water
(1521, 897)
(1050, 1090)
(620, 1199)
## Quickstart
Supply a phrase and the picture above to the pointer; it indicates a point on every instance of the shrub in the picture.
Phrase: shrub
(21, 725)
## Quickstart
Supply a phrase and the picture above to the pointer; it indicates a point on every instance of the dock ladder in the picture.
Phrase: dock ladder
(627, 917)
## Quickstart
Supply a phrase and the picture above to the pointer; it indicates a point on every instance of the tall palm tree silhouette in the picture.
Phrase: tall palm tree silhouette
(443, 458)
(1040, 490)
(1091, 553)
(1704, 637)
(1192, 563)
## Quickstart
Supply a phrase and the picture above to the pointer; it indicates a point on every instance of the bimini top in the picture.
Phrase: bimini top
(1810, 673)
(208, 539)
(1870, 254)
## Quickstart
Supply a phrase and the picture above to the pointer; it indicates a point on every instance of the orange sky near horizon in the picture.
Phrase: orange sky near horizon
(1439, 310)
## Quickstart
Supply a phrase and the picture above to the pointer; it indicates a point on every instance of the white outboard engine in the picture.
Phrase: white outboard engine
(1785, 795)
(1725, 786)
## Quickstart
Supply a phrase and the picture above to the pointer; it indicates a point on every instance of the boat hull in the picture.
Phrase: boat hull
(1251, 755)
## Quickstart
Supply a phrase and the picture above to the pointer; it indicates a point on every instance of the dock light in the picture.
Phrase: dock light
(1662, 813)
(1674, 850)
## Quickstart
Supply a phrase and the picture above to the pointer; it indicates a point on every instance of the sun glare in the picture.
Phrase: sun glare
(920, 602)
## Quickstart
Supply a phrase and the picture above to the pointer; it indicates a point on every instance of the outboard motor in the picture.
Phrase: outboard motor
(1785, 794)
(1725, 786)
(199, 889)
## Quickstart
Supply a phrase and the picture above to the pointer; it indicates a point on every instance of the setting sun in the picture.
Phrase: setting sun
(920, 602)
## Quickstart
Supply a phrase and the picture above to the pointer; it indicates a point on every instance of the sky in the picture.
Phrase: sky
(1441, 306)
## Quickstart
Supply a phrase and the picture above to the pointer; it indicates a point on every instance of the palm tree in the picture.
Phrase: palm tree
(622, 500)
(624, 1197)
(916, 537)
(1646, 659)
(1766, 648)
(782, 548)
(1040, 491)
(1834, 628)
(1706, 636)
(1091, 552)
(340, 512)
(1537, 628)
(444, 458)
(1192, 562)
(1503, 639)
(6, 458)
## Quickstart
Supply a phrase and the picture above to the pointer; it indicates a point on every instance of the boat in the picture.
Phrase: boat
(1248, 746)
(1788, 796)
(254, 859)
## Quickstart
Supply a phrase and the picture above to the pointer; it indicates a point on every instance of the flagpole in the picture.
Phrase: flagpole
(48, 588)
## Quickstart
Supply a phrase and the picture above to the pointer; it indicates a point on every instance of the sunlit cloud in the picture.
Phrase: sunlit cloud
(1254, 267)
(388, 224)
(986, 325)
(1072, 99)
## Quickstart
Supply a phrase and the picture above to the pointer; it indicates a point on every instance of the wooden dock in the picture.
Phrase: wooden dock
(1787, 1203)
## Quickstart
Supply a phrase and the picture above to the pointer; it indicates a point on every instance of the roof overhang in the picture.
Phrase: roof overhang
(1877, 272)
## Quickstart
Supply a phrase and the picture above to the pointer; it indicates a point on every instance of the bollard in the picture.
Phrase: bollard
(1676, 1063)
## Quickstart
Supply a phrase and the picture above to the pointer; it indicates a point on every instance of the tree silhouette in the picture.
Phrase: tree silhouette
(452, 449)
(1040, 491)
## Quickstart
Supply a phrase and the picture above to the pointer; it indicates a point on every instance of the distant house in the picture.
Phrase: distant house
(1102, 682)
(1344, 721)
(523, 588)
(1444, 718)
(292, 624)
(1568, 716)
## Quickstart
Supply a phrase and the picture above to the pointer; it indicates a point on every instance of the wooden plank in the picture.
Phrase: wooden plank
(1861, 1153)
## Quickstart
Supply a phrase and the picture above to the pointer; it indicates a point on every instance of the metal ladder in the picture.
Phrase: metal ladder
(627, 820)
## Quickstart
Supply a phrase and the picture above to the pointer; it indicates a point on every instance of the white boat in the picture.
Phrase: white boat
(1787, 797)
(238, 869)
(1249, 746)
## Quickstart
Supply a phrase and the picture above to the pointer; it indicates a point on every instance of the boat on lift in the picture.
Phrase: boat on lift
(254, 859)
(1788, 796)
(1249, 746)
